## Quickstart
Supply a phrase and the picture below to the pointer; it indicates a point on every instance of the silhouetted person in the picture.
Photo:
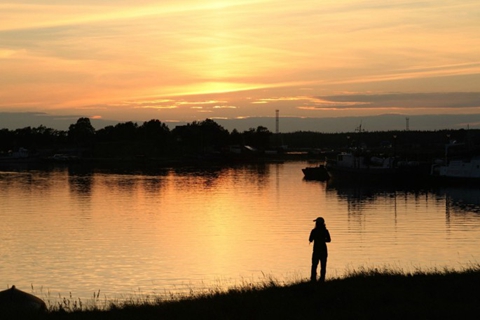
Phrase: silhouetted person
(320, 236)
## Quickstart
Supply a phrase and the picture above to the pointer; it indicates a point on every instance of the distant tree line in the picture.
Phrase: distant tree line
(152, 138)
(155, 139)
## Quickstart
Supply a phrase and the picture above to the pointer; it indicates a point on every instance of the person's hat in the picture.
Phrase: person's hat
(319, 219)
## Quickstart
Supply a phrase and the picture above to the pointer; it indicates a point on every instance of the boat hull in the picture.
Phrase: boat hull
(14, 301)
(316, 173)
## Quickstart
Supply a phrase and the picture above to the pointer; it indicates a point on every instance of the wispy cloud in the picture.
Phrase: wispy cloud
(404, 101)
(224, 107)
(310, 103)
(55, 13)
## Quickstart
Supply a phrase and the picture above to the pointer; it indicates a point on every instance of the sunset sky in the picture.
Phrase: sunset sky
(187, 60)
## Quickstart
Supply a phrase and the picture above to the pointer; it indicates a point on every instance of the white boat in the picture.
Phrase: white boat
(458, 169)
(349, 165)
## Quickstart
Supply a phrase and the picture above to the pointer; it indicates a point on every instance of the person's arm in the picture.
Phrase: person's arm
(327, 236)
(310, 239)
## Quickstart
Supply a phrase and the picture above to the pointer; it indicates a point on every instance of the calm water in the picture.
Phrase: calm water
(79, 231)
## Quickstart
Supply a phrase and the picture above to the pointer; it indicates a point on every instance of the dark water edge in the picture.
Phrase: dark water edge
(367, 294)
(148, 166)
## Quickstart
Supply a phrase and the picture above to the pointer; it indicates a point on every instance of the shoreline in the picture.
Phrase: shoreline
(363, 294)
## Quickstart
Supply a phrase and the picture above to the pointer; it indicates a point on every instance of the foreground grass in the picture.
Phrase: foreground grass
(363, 294)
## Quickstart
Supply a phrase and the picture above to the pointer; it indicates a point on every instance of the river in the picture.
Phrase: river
(73, 231)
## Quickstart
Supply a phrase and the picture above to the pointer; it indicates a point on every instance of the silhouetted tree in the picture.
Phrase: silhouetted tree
(6, 140)
(258, 138)
(82, 133)
(236, 138)
(126, 131)
(154, 130)
(156, 135)
(213, 134)
(263, 137)
(202, 136)
(106, 134)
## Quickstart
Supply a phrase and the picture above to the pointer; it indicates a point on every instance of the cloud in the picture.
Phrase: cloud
(224, 107)
(54, 14)
(405, 101)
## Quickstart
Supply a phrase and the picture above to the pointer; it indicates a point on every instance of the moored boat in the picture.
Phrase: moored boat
(359, 164)
(463, 169)
(349, 164)
(316, 173)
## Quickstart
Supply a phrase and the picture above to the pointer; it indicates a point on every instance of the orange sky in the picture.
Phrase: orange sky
(188, 60)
